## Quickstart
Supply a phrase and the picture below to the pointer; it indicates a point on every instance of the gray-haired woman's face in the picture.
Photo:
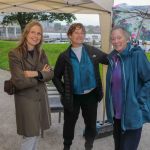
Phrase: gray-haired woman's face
(118, 40)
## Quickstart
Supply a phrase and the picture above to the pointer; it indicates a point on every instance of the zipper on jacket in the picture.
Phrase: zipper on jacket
(110, 95)
(124, 99)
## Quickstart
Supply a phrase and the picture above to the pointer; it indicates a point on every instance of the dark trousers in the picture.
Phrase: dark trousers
(88, 105)
(128, 140)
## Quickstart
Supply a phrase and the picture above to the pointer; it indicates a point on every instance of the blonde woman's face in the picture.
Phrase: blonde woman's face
(34, 37)
(118, 40)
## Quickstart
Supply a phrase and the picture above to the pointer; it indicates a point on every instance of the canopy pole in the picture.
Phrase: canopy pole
(105, 27)
(104, 128)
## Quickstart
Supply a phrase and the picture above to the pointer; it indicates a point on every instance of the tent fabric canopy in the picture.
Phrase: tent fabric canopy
(101, 7)
(60, 6)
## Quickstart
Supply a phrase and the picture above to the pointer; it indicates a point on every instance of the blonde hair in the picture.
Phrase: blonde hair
(22, 47)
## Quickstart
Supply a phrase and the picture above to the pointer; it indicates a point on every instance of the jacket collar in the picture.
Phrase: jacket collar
(124, 53)
(130, 49)
(67, 53)
(32, 60)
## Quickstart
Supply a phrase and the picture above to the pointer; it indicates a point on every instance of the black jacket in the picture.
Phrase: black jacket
(63, 74)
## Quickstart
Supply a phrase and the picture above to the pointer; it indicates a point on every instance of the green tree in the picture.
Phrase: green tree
(132, 17)
(22, 18)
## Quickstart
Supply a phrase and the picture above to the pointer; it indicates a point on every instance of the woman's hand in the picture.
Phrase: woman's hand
(30, 74)
(46, 68)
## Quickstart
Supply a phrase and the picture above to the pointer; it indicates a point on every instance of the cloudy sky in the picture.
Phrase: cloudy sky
(94, 19)
(133, 2)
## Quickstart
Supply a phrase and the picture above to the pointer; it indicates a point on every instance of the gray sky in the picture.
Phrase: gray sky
(93, 19)
(133, 2)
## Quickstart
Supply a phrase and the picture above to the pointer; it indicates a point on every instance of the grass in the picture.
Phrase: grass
(52, 51)
(5, 47)
(148, 56)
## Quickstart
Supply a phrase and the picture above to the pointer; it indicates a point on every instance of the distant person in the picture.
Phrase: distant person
(134, 41)
(144, 45)
(77, 78)
(30, 70)
(127, 90)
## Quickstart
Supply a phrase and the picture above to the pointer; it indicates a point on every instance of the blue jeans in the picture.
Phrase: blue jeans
(29, 143)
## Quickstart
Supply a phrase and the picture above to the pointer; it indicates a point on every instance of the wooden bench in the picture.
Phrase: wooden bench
(54, 103)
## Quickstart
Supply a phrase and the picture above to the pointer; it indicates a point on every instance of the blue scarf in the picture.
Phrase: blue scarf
(83, 71)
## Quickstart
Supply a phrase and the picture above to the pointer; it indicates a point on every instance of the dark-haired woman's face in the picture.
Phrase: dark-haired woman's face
(77, 37)
(118, 40)
(34, 37)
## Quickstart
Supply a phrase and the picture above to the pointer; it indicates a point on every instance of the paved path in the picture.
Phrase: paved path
(9, 140)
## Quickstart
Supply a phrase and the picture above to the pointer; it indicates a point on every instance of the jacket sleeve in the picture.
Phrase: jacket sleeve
(102, 57)
(144, 74)
(17, 75)
(58, 74)
(46, 76)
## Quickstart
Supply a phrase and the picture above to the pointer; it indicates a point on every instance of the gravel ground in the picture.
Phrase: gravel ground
(9, 140)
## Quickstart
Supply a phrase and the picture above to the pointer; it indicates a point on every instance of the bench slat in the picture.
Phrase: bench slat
(54, 100)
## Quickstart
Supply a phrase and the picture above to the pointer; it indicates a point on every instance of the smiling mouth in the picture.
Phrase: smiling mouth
(34, 40)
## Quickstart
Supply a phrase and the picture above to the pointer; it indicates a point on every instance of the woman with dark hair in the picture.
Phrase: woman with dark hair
(77, 78)
(29, 71)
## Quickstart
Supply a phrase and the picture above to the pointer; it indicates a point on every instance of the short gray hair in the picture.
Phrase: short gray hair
(126, 33)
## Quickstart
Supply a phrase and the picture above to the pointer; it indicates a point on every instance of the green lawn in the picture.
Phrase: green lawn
(148, 56)
(52, 51)
(5, 46)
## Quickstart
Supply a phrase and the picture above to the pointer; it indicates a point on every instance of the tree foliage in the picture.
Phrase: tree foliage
(134, 18)
(22, 18)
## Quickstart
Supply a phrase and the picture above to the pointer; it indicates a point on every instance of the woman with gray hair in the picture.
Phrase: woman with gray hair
(127, 94)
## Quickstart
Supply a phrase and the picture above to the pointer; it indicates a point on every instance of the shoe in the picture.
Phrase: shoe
(88, 148)
(88, 145)
(66, 148)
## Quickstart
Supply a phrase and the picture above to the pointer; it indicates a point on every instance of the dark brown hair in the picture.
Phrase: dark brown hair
(74, 26)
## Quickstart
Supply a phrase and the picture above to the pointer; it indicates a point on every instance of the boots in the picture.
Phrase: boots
(88, 148)
(88, 145)
(66, 147)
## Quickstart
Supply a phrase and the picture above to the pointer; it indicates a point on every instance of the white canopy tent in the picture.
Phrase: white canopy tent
(101, 7)
(68, 6)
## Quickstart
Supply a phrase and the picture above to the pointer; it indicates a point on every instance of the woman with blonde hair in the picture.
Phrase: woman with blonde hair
(30, 70)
